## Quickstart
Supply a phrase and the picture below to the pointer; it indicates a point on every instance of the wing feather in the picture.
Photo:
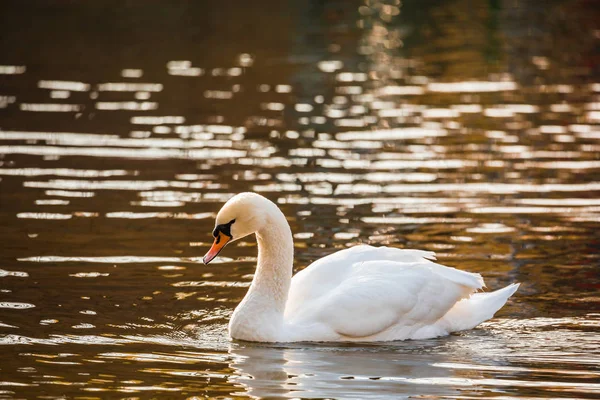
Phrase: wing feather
(363, 291)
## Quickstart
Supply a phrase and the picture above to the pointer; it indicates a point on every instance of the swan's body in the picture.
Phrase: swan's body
(363, 293)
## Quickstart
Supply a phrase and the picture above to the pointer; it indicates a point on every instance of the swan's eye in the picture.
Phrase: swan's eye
(223, 228)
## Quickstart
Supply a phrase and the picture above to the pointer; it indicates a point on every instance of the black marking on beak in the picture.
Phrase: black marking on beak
(224, 229)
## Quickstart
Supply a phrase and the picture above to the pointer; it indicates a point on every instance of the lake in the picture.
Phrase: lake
(469, 128)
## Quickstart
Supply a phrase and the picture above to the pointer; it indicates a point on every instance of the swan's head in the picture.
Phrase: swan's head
(242, 215)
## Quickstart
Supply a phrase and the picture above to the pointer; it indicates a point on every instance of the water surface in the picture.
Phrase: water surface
(469, 128)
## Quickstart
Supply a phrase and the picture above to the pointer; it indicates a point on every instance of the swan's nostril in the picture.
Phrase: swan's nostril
(220, 242)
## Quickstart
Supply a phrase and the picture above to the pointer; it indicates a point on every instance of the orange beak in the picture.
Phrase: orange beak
(220, 241)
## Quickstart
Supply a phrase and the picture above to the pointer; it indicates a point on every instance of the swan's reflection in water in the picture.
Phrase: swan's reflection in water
(339, 371)
(500, 358)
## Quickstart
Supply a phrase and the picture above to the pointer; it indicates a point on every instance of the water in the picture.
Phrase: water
(470, 128)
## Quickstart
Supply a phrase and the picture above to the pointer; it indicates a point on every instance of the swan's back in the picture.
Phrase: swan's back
(327, 273)
(369, 293)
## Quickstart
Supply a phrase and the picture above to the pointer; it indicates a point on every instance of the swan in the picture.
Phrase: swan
(359, 294)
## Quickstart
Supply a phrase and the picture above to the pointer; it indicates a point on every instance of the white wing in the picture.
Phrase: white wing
(364, 290)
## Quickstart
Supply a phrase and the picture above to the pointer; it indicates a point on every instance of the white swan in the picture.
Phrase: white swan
(363, 293)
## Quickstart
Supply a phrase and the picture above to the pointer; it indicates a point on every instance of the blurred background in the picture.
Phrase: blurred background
(466, 127)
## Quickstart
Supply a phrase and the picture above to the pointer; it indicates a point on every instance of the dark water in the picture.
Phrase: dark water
(470, 128)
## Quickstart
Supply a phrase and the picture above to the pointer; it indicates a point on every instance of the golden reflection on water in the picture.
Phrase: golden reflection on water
(466, 128)
(314, 371)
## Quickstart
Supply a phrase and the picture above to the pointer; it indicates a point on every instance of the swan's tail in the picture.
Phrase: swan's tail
(468, 313)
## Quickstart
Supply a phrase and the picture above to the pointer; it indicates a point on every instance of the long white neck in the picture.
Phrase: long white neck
(260, 314)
